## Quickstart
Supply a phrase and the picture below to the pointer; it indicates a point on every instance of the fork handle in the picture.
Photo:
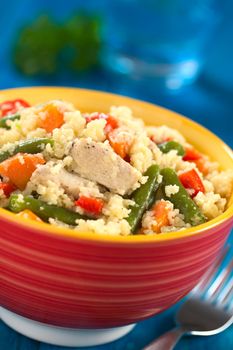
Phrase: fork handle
(167, 341)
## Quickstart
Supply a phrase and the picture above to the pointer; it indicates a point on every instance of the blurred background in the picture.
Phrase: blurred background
(175, 53)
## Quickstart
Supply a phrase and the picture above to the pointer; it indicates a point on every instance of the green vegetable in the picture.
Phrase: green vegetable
(181, 199)
(29, 146)
(166, 147)
(159, 194)
(143, 197)
(38, 46)
(4, 120)
(46, 47)
(83, 35)
(45, 211)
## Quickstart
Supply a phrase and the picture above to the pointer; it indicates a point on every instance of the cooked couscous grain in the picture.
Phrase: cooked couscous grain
(94, 166)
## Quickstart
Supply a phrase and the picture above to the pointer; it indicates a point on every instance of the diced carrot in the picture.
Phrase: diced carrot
(120, 146)
(91, 205)
(50, 118)
(191, 180)
(202, 165)
(19, 168)
(7, 188)
(28, 214)
(191, 154)
(160, 211)
(127, 158)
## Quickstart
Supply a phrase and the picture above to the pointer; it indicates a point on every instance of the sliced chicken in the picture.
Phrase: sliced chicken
(72, 183)
(98, 162)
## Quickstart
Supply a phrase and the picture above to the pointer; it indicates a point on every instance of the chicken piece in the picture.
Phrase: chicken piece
(98, 162)
(72, 183)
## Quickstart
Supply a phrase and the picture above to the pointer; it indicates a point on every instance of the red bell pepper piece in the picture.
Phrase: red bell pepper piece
(191, 154)
(153, 138)
(11, 107)
(7, 188)
(111, 122)
(191, 180)
(95, 116)
(91, 205)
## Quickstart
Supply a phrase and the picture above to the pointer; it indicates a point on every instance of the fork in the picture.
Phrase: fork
(208, 310)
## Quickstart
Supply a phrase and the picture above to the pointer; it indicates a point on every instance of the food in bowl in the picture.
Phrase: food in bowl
(104, 173)
(69, 278)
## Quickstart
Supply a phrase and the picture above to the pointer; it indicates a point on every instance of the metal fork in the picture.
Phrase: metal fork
(208, 310)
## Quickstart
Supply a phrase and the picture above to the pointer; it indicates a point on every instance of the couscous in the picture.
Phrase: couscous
(104, 173)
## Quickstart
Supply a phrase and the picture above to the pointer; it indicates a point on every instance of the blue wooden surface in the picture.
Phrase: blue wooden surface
(209, 101)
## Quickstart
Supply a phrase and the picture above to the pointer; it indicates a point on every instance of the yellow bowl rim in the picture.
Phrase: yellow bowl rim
(66, 232)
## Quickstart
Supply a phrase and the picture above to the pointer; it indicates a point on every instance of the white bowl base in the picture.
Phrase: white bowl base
(62, 336)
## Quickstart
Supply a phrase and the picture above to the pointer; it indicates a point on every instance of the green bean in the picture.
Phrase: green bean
(168, 146)
(159, 194)
(28, 146)
(143, 197)
(181, 199)
(4, 120)
(45, 211)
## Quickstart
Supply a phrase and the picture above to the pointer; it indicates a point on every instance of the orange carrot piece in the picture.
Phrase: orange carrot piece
(161, 212)
(28, 214)
(120, 147)
(19, 168)
(50, 118)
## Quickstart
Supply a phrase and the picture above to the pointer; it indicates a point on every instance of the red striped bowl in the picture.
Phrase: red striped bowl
(68, 279)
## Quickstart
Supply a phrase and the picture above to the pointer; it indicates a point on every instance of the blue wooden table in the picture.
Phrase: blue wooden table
(209, 101)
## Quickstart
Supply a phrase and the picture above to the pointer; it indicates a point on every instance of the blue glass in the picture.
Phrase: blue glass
(159, 39)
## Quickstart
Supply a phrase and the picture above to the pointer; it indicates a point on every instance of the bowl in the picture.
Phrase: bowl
(57, 284)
